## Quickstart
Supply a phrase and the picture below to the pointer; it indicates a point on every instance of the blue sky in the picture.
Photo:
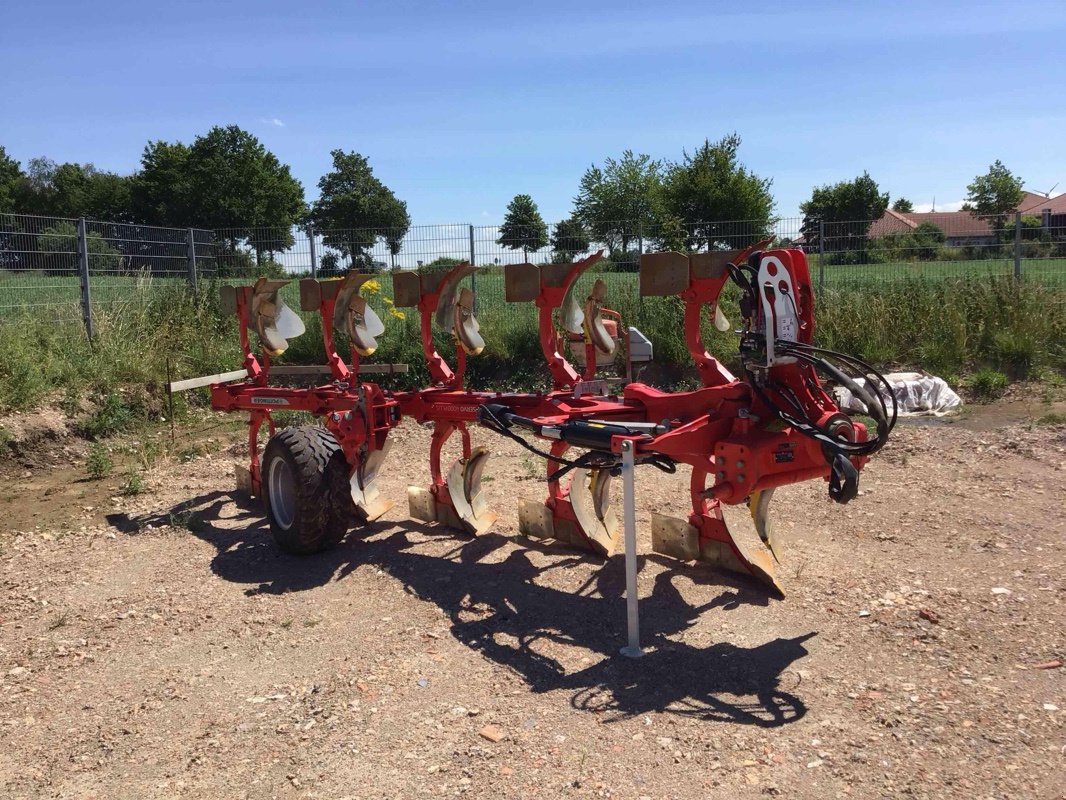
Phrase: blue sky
(460, 106)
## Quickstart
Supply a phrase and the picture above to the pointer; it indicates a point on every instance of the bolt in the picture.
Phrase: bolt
(721, 476)
(740, 465)
(740, 478)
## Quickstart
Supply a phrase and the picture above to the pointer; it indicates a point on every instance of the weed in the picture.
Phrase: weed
(59, 621)
(98, 463)
(987, 384)
(133, 485)
(110, 416)
(70, 403)
(1054, 418)
(530, 468)
(190, 453)
(189, 520)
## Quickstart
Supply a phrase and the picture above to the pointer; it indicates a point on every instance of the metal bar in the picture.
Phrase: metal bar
(322, 369)
(314, 259)
(83, 275)
(632, 649)
(191, 238)
(473, 263)
(821, 254)
(1017, 245)
(206, 380)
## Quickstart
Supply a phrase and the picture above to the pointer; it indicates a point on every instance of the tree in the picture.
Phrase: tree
(928, 239)
(355, 209)
(239, 187)
(903, 206)
(568, 239)
(710, 187)
(994, 195)
(523, 227)
(74, 190)
(620, 199)
(161, 193)
(11, 178)
(848, 208)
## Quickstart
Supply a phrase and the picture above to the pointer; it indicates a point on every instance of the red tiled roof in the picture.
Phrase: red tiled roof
(891, 222)
(1034, 204)
(955, 223)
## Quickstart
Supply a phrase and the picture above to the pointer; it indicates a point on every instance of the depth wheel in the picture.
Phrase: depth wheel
(305, 489)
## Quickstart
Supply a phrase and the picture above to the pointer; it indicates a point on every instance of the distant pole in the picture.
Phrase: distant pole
(1017, 245)
(83, 278)
(314, 260)
(821, 254)
(190, 239)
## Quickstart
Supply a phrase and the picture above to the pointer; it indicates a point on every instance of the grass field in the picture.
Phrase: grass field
(60, 293)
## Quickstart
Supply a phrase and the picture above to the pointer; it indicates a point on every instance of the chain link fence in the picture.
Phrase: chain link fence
(76, 268)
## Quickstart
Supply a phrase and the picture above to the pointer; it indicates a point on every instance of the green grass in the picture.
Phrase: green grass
(950, 326)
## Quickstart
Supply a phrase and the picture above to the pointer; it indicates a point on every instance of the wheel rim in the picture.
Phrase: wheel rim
(282, 490)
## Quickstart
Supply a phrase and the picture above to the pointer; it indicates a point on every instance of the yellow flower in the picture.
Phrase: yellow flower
(396, 313)
(371, 287)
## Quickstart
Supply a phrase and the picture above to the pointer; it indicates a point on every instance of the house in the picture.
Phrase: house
(961, 228)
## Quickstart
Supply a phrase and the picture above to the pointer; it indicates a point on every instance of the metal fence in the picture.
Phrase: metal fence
(76, 268)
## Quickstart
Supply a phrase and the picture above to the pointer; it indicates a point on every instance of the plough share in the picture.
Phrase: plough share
(741, 436)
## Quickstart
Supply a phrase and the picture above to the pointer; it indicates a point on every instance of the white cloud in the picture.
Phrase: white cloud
(951, 205)
(277, 123)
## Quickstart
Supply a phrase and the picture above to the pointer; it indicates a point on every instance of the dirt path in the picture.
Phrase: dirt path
(161, 646)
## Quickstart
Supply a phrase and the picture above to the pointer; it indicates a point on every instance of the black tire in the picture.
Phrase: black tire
(305, 489)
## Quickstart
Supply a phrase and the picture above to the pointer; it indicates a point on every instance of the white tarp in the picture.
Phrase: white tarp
(916, 394)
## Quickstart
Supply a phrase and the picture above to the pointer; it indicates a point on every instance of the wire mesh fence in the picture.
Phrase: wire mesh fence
(69, 268)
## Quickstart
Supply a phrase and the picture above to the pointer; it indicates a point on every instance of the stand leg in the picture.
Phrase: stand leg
(632, 650)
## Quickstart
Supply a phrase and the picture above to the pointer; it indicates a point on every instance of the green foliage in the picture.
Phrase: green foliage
(568, 239)
(111, 416)
(615, 201)
(161, 194)
(987, 384)
(59, 243)
(523, 227)
(134, 483)
(98, 463)
(11, 178)
(711, 186)
(848, 208)
(235, 183)
(994, 194)
(1053, 418)
(355, 209)
(73, 190)
(903, 206)
(441, 264)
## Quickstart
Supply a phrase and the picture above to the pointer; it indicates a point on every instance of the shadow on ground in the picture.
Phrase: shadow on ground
(503, 610)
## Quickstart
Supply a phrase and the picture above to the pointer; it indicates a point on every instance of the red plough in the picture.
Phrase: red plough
(741, 437)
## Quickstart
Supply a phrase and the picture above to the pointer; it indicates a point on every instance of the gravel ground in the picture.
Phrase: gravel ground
(160, 645)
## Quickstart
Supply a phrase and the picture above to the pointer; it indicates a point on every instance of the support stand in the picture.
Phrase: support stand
(631, 650)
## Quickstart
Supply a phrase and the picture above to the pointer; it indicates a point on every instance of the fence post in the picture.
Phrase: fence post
(83, 275)
(190, 238)
(473, 263)
(1017, 245)
(314, 260)
(821, 254)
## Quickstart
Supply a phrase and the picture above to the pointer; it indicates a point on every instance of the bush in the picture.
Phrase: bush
(988, 384)
(98, 463)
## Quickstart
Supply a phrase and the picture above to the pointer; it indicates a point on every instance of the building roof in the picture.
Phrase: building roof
(953, 223)
(1034, 204)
